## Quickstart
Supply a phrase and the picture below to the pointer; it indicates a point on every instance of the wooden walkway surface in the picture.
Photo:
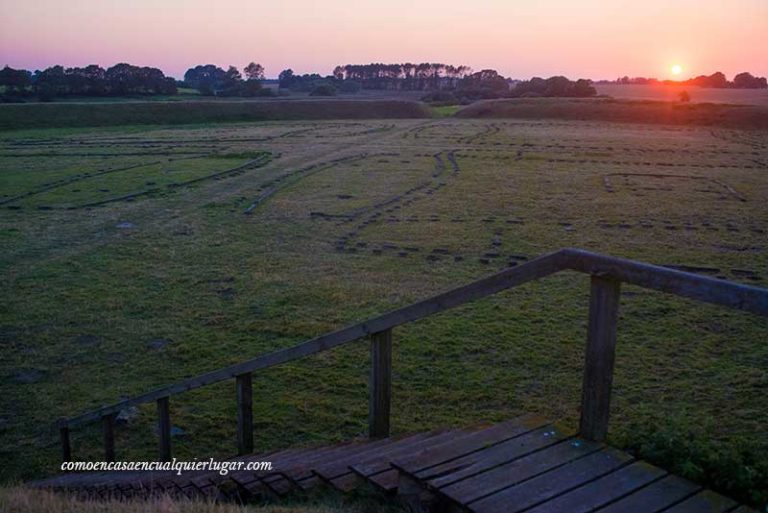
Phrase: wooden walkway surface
(522, 465)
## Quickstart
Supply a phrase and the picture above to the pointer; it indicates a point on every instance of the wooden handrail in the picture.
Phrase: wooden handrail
(608, 272)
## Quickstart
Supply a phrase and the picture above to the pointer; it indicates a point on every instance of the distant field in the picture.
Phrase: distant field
(132, 257)
(698, 94)
(624, 111)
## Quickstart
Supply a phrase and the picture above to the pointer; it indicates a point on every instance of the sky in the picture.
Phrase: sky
(520, 38)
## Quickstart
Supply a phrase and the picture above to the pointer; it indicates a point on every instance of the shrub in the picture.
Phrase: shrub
(323, 90)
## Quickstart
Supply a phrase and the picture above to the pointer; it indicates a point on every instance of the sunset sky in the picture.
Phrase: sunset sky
(585, 38)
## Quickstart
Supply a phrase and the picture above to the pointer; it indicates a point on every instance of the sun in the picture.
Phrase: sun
(676, 69)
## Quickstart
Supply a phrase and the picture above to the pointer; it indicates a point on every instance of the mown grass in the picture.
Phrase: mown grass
(89, 114)
(96, 309)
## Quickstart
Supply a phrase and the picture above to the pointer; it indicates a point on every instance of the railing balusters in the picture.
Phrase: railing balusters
(599, 358)
(380, 387)
(108, 427)
(66, 447)
(164, 428)
(244, 386)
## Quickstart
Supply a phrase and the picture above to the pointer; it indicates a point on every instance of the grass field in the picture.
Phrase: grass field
(135, 256)
(661, 92)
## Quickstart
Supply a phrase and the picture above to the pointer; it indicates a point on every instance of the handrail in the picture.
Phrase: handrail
(607, 272)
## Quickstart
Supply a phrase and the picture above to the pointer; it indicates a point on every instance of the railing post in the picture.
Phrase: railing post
(244, 386)
(380, 387)
(108, 427)
(599, 359)
(164, 428)
(66, 447)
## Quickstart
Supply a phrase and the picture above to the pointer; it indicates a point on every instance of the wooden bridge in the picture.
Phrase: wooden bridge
(524, 464)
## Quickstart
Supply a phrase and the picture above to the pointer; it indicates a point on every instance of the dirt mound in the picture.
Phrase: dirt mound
(623, 111)
(55, 115)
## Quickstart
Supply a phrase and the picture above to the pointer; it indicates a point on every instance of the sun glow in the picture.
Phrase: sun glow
(676, 69)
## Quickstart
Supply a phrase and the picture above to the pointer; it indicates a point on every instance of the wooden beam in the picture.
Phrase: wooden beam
(66, 447)
(684, 284)
(244, 386)
(108, 427)
(380, 387)
(599, 358)
(164, 428)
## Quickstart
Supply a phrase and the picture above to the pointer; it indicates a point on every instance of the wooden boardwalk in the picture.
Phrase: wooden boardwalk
(525, 464)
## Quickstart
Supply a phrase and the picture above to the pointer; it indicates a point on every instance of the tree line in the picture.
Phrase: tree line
(120, 80)
(716, 80)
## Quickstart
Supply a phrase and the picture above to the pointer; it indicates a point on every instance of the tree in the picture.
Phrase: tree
(15, 80)
(254, 71)
(683, 96)
(747, 81)
(285, 79)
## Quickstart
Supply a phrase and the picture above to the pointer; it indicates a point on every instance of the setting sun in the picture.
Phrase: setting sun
(677, 69)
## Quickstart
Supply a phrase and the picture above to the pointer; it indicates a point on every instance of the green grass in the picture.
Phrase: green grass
(89, 290)
(445, 111)
(119, 112)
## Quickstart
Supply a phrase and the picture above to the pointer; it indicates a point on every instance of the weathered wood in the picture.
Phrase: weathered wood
(466, 466)
(654, 497)
(553, 483)
(518, 470)
(600, 356)
(108, 428)
(66, 447)
(244, 386)
(680, 283)
(380, 386)
(467, 444)
(706, 500)
(164, 428)
(603, 490)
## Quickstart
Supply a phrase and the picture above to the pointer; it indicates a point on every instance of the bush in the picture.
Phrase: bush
(683, 96)
(323, 90)
(349, 86)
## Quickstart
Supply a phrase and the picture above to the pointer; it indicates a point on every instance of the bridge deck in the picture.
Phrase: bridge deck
(525, 464)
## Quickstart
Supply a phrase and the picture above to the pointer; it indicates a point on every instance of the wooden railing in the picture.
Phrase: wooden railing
(607, 274)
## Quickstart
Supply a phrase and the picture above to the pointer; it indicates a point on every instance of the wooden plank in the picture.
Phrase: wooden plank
(380, 386)
(535, 269)
(164, 428)
(108, 428)
(381, 461)
(599, 359)
(654, 497)
(705, 501)
(467, 444)
(680, 283)
(555, 482)
(66, 446)
(519, 470)
(332, 469)
(386, 481)
(244, 391)
(480, 461)
(603, 490)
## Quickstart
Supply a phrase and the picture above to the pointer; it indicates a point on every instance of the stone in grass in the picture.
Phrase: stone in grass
(127, 415)
(158, 343)
(176, 431)
(126, 226)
